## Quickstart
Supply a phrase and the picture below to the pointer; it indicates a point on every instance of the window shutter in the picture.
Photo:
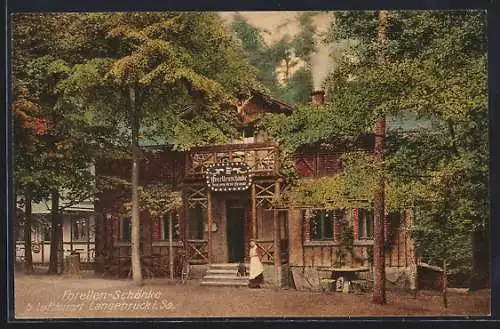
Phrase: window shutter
(116, 228)
(355, 223)
(156, 229)
(336, 226)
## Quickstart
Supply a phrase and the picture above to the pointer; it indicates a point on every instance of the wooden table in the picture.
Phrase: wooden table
(348, 273)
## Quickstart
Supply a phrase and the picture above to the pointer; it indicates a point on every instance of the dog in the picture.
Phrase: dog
(242, 270)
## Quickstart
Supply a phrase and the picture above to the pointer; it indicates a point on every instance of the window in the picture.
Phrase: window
(175, 226)
(47, 233)
(365, 224)
(125, 229)
(196, 219)
(321, 225)
(79, 229)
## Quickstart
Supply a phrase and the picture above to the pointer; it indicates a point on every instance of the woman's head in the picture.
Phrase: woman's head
(252, 243)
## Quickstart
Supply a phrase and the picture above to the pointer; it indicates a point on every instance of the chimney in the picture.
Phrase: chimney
(318, 97)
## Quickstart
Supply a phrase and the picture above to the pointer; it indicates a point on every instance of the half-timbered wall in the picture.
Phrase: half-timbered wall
(186, 171)
(317, 161)
(306, 252)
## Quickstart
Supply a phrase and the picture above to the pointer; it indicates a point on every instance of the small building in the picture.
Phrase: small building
(232, 193)
(78, 232)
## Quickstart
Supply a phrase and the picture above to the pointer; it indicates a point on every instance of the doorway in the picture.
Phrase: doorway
(235, 232)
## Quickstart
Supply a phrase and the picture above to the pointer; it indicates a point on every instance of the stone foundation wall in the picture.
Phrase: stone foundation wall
(308, 278)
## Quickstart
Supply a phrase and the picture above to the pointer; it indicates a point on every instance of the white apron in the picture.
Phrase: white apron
(256, 267)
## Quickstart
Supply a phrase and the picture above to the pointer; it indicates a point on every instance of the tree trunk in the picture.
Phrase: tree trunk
(287, 69)
(56, 229)
(412, 254)
(28, 256)
(378, 246)
(171, 247)
(445, 284)
(135, 234)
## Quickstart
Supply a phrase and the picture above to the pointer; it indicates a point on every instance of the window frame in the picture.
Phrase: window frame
(164, 227)
(365, 216)
(325, 215)
(47, 232)
(121, 230)
(84, 226)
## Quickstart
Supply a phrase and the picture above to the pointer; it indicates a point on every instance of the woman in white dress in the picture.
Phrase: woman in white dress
(256, 268)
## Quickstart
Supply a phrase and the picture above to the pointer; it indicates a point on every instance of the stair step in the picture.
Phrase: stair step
(227, 265)
(225, 277)
(222, 271)
(224, 274)
(224, 283)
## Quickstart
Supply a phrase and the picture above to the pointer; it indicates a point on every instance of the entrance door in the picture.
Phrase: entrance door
(235, 234)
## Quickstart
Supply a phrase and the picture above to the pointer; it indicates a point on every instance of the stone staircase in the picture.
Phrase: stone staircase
(224, 275)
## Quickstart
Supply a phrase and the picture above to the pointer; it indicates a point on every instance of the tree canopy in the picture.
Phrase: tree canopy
(436, 69)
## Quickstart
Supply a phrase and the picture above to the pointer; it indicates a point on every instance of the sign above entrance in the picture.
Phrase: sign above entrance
(228, 176)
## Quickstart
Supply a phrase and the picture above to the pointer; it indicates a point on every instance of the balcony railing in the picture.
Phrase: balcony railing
(197, 251)
(262, 158)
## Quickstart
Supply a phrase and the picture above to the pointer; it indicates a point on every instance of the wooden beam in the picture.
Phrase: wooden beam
(233, 147)
(277, 236)
(88, 238)
(70, 232)
(209, 213)
(43, 245)
(254, 211)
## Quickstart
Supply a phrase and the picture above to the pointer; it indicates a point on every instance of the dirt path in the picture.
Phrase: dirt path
(58, 297)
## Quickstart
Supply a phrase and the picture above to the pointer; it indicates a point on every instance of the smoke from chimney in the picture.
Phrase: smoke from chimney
(318, 97)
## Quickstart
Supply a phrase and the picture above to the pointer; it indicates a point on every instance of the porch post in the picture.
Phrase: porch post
(277, 236)
(209, 213)
(70, 232)
(254, 211)
(43, 247)
(88, 239)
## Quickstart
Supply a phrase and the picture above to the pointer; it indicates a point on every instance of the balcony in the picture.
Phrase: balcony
(262, 158)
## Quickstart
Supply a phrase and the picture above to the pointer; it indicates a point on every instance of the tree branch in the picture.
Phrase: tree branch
(453, 136)
(76, 201)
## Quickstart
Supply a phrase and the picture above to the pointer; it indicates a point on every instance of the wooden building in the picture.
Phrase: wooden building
(232, 193)
(77, 232)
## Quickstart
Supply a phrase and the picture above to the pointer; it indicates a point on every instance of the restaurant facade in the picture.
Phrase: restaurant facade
(234, 192)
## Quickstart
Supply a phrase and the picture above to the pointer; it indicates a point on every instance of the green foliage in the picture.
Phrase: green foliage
(310, 124)
(303, 43)
(177, 63)
(346, 244)
(435, 67)
(73, 74)
(354, 187)
(298, 88)
(257, 52)
(156, 199)
(285, 53)
(53, 149)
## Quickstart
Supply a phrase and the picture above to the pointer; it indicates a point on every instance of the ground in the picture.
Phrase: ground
(43, 296)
